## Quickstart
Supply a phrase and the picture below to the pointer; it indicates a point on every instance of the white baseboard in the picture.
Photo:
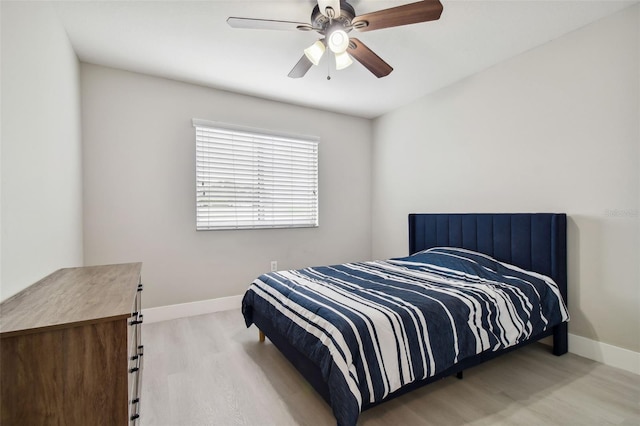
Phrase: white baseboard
(613, 356)
(182, 310)
(602, 352)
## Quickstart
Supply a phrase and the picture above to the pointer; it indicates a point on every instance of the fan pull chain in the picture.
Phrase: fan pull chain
(329, 56)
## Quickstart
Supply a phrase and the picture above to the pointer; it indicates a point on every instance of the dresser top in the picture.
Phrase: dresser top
(72, 296)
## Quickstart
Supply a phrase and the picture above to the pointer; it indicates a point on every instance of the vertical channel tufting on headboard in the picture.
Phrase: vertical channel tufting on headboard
(521, 240)
(532, 241)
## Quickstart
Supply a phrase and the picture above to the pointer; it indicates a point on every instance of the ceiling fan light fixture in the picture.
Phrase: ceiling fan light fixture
(338, 41)
(314, 52)
(343, 60)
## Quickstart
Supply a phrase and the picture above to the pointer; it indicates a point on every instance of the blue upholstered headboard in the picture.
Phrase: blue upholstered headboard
(532, 241)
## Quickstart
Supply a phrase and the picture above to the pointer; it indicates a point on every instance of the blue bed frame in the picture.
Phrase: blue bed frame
(532, 241)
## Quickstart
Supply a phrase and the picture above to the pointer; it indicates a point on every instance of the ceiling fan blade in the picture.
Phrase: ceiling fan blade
(368, 58)
(267, 24)
(421, 11)
(301, 68)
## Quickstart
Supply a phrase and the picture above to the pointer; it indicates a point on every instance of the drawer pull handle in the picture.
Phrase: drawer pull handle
(139, 319)
(133, 370)
(133, 358)
(140, 287)
(135, 416)
(135, 401)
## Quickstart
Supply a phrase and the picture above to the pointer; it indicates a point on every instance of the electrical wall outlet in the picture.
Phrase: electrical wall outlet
(274, 265)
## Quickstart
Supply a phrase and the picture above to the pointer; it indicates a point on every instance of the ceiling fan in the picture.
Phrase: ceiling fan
(334, 20)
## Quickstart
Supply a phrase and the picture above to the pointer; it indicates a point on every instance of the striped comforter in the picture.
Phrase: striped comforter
(373, 327)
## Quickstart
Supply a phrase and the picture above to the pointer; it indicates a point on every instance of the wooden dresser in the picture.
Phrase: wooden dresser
(71, 350)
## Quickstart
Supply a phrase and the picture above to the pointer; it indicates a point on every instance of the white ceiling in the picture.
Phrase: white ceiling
(191, 41)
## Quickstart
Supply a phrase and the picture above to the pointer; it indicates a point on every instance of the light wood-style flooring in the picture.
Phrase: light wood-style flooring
(211, 370)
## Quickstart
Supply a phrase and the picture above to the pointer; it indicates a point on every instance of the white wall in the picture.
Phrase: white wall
(41, 191)
(553, 130)
(139, 193)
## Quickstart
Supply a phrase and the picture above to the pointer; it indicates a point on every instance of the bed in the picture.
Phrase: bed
(473, 287)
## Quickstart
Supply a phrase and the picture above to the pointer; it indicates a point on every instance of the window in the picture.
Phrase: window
(250, 179)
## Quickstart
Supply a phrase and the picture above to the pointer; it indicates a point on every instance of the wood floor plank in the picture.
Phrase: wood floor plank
(211, 370)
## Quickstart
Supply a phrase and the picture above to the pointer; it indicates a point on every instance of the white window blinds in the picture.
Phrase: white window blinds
(249, 179)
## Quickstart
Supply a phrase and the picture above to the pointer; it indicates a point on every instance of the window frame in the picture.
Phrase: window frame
(262, 207)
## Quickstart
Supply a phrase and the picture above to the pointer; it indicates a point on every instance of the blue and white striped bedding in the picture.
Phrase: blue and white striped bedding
(373, 327)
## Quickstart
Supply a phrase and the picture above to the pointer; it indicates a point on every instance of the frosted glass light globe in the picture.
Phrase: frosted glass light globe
(338, 41)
